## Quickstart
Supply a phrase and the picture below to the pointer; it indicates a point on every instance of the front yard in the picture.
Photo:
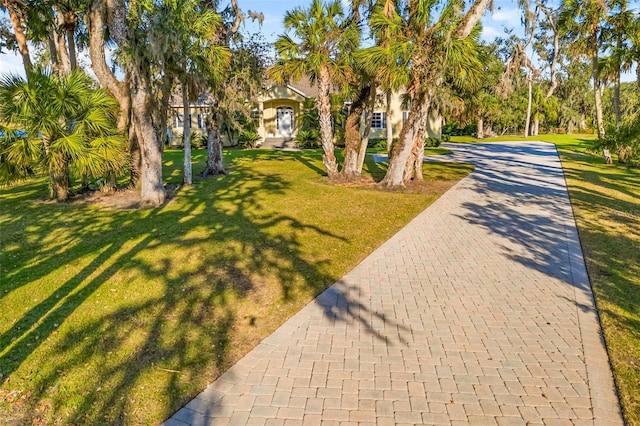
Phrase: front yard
(111, 316)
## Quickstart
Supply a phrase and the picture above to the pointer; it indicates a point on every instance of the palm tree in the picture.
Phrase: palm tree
(425, 50)
(199, 56)
(582, 23)
(58, 124)
(325, 34)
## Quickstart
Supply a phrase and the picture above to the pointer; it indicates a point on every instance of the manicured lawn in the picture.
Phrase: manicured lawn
(121, 316)
(606, 204)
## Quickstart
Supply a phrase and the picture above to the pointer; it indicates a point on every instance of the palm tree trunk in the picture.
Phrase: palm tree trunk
(616, 99)
(352, 135)
(59, 180)
(21, 38)
(389, 97)
(480, 130)
(214, 165)
(535, 126)
(186, 135)
(53, 55)
(135, 158)
(527, 122)
(324, 117)
(61, 44)
(364, 140)
(401, 150)
(596, 86)
(416, 159)
(73, 61)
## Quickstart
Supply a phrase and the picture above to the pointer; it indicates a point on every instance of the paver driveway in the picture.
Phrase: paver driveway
(479, 311)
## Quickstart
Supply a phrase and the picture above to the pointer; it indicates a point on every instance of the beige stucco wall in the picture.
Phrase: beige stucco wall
(177, 132)
(278, 96)
(434, 127)
(269, 116)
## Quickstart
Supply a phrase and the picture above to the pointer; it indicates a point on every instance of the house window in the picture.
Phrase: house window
(199, 121)
(179, 121)
(379, 120)
(405, 116)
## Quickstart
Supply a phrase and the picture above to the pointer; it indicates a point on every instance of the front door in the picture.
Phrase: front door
(284, 122)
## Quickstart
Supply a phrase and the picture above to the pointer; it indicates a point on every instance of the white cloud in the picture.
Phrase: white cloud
(489, 33)
(509, 17)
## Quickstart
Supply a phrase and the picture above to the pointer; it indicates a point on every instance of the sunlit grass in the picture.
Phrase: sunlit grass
(606, 204)
(121, 316)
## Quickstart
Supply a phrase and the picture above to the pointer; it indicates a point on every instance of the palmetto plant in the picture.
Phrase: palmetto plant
(57, 125)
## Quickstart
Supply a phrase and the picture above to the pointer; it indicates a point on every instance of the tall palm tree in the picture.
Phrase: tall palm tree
(426, 48)
(324, 34)
(58, 124)
(198, 55)
(582, 23)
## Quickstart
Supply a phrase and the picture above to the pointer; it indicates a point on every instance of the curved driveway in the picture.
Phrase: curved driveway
(479, 311)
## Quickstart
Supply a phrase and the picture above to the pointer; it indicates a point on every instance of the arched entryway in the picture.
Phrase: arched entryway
(284, 122)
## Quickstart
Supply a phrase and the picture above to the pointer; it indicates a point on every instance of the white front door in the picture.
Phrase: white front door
(284, 122)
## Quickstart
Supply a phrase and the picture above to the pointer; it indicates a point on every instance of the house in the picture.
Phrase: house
(176, 122)
(279, 108)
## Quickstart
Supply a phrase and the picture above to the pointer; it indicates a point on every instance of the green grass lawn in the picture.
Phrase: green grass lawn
(121, 316)
(606, 204)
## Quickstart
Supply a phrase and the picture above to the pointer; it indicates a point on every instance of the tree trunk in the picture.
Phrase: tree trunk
(117, 89)
(186, 136)
(471, 18)
(364, 141)
(413, 171)
(151, 186)
(352, 135)
(556, 50)
(135, 159)
(61, 44)
(527, 122)
(15, 14)
(401, 150)
(389, 98)
(214, 165)
(323, 103)
(535, 126)
(59, 180)
(480, 125)
(53, 56)
(416, 159)
(597, 86)
(616, 99)
(73, 61)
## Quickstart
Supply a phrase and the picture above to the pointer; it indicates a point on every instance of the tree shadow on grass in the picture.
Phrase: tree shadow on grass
(152, 301)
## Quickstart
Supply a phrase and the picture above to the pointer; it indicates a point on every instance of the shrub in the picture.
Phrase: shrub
(431, 142)
(625, 142)
(378, 143)
(248, 139)
(307, 139)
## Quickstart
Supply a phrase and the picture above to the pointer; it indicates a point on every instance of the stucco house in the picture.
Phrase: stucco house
(278, 109)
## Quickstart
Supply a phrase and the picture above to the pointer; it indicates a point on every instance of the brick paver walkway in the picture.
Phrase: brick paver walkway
(479, 311)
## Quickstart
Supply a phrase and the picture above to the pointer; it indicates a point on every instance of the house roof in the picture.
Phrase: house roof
(304, 87)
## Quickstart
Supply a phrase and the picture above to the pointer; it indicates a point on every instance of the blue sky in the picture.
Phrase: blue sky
(505, 15)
